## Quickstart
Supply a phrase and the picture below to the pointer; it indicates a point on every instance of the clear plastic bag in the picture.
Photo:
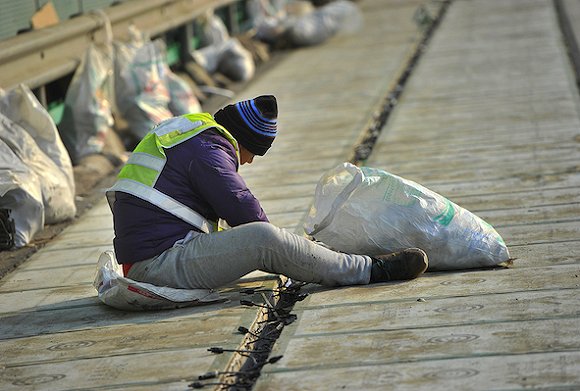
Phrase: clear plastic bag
(125, 294)
(370, 211)
(31, 134)
(21, 194)
(341, 16)
(141, 91)
(88, 117)
(182, 100)
(222, 53)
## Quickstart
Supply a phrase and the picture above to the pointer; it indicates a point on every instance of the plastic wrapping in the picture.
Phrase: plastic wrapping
(87, 117)
(269, 18)
(223, 53)
(141, 91)
(125, 294)
(182, 101)
(370, 211)
(31, 134)
(341, 16)
(20, 193)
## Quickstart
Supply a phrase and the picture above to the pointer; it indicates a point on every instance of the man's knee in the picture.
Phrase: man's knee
(265, 232)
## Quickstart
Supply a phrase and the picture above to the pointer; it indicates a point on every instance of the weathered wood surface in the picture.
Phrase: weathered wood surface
(517, 372)
(490, 118)
(56, 335)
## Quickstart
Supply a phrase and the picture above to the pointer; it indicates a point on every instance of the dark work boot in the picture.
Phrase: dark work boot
(402, 265)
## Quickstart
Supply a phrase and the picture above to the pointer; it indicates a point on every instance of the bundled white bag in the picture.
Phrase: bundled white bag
(222, 53)
(31, 134)
(370, 211)
(340, 16)
(182, 101)
(88, 116)
(20, 192)
(141, 91)
(125, 294)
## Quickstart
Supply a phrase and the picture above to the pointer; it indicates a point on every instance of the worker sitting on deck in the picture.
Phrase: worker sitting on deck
(183, 176)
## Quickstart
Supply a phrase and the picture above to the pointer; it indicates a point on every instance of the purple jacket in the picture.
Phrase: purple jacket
(201, 173)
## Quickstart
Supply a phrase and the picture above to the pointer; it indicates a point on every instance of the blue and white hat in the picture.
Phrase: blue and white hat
(252, 122)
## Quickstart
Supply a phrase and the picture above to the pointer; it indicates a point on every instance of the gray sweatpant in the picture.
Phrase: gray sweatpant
(216, 259)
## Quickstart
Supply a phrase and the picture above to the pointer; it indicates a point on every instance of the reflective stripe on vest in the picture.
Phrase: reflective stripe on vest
(139, 175)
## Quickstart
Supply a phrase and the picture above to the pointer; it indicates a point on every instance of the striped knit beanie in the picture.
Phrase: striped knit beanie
(252, 122)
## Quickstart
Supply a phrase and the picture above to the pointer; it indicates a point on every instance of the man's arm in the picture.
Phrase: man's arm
(224, 189)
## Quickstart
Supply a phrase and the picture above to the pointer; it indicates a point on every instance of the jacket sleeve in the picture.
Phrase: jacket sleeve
(218, 182)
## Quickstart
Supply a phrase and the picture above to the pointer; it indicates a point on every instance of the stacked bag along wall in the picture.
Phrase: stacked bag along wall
(36, 182)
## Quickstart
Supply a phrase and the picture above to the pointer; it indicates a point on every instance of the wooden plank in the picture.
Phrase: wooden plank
(532, 215)
(49, 299)
(437, 343)
(48, 278)
(288, 205)
(282, 191)
(540, 196)
(436, 312)
(471, 140)
(55, 257)
(525, 181)
(555, 371)
(546, 254)
(451, 284)
(459, 173)
(487, 156)
(201, 329)
(175, 366)
(87, 317)
(540, 233)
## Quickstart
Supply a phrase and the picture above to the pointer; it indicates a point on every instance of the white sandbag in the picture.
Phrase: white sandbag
(370, 211)
(20, 193)
(220, 52)
(31, 134)
(236, 62)
(228, 57)
(326, 21)
(87, 117)
(125, 294)
(209, 57)
(213, 29)
(141, 91)
(182, 100)
(270, 18)
(22, 107)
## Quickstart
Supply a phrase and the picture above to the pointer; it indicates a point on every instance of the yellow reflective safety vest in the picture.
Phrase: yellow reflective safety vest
(139, 175)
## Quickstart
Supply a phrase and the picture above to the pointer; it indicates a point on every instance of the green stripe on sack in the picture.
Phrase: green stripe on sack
(445, 217)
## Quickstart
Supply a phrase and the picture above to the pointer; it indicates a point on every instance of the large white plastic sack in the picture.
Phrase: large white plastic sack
(31, 134)
(228, 57)
(141, 91)
(370, 211)
(22, 107)
(88, 117)
(236, 62)
(20, 193)
(213, 29)
(220, 52)
(270, 18)
(125, 294)
(182, 100)
(316, 27)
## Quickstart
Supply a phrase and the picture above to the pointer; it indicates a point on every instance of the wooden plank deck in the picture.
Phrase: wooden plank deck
(490, 118)
(56, 335)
